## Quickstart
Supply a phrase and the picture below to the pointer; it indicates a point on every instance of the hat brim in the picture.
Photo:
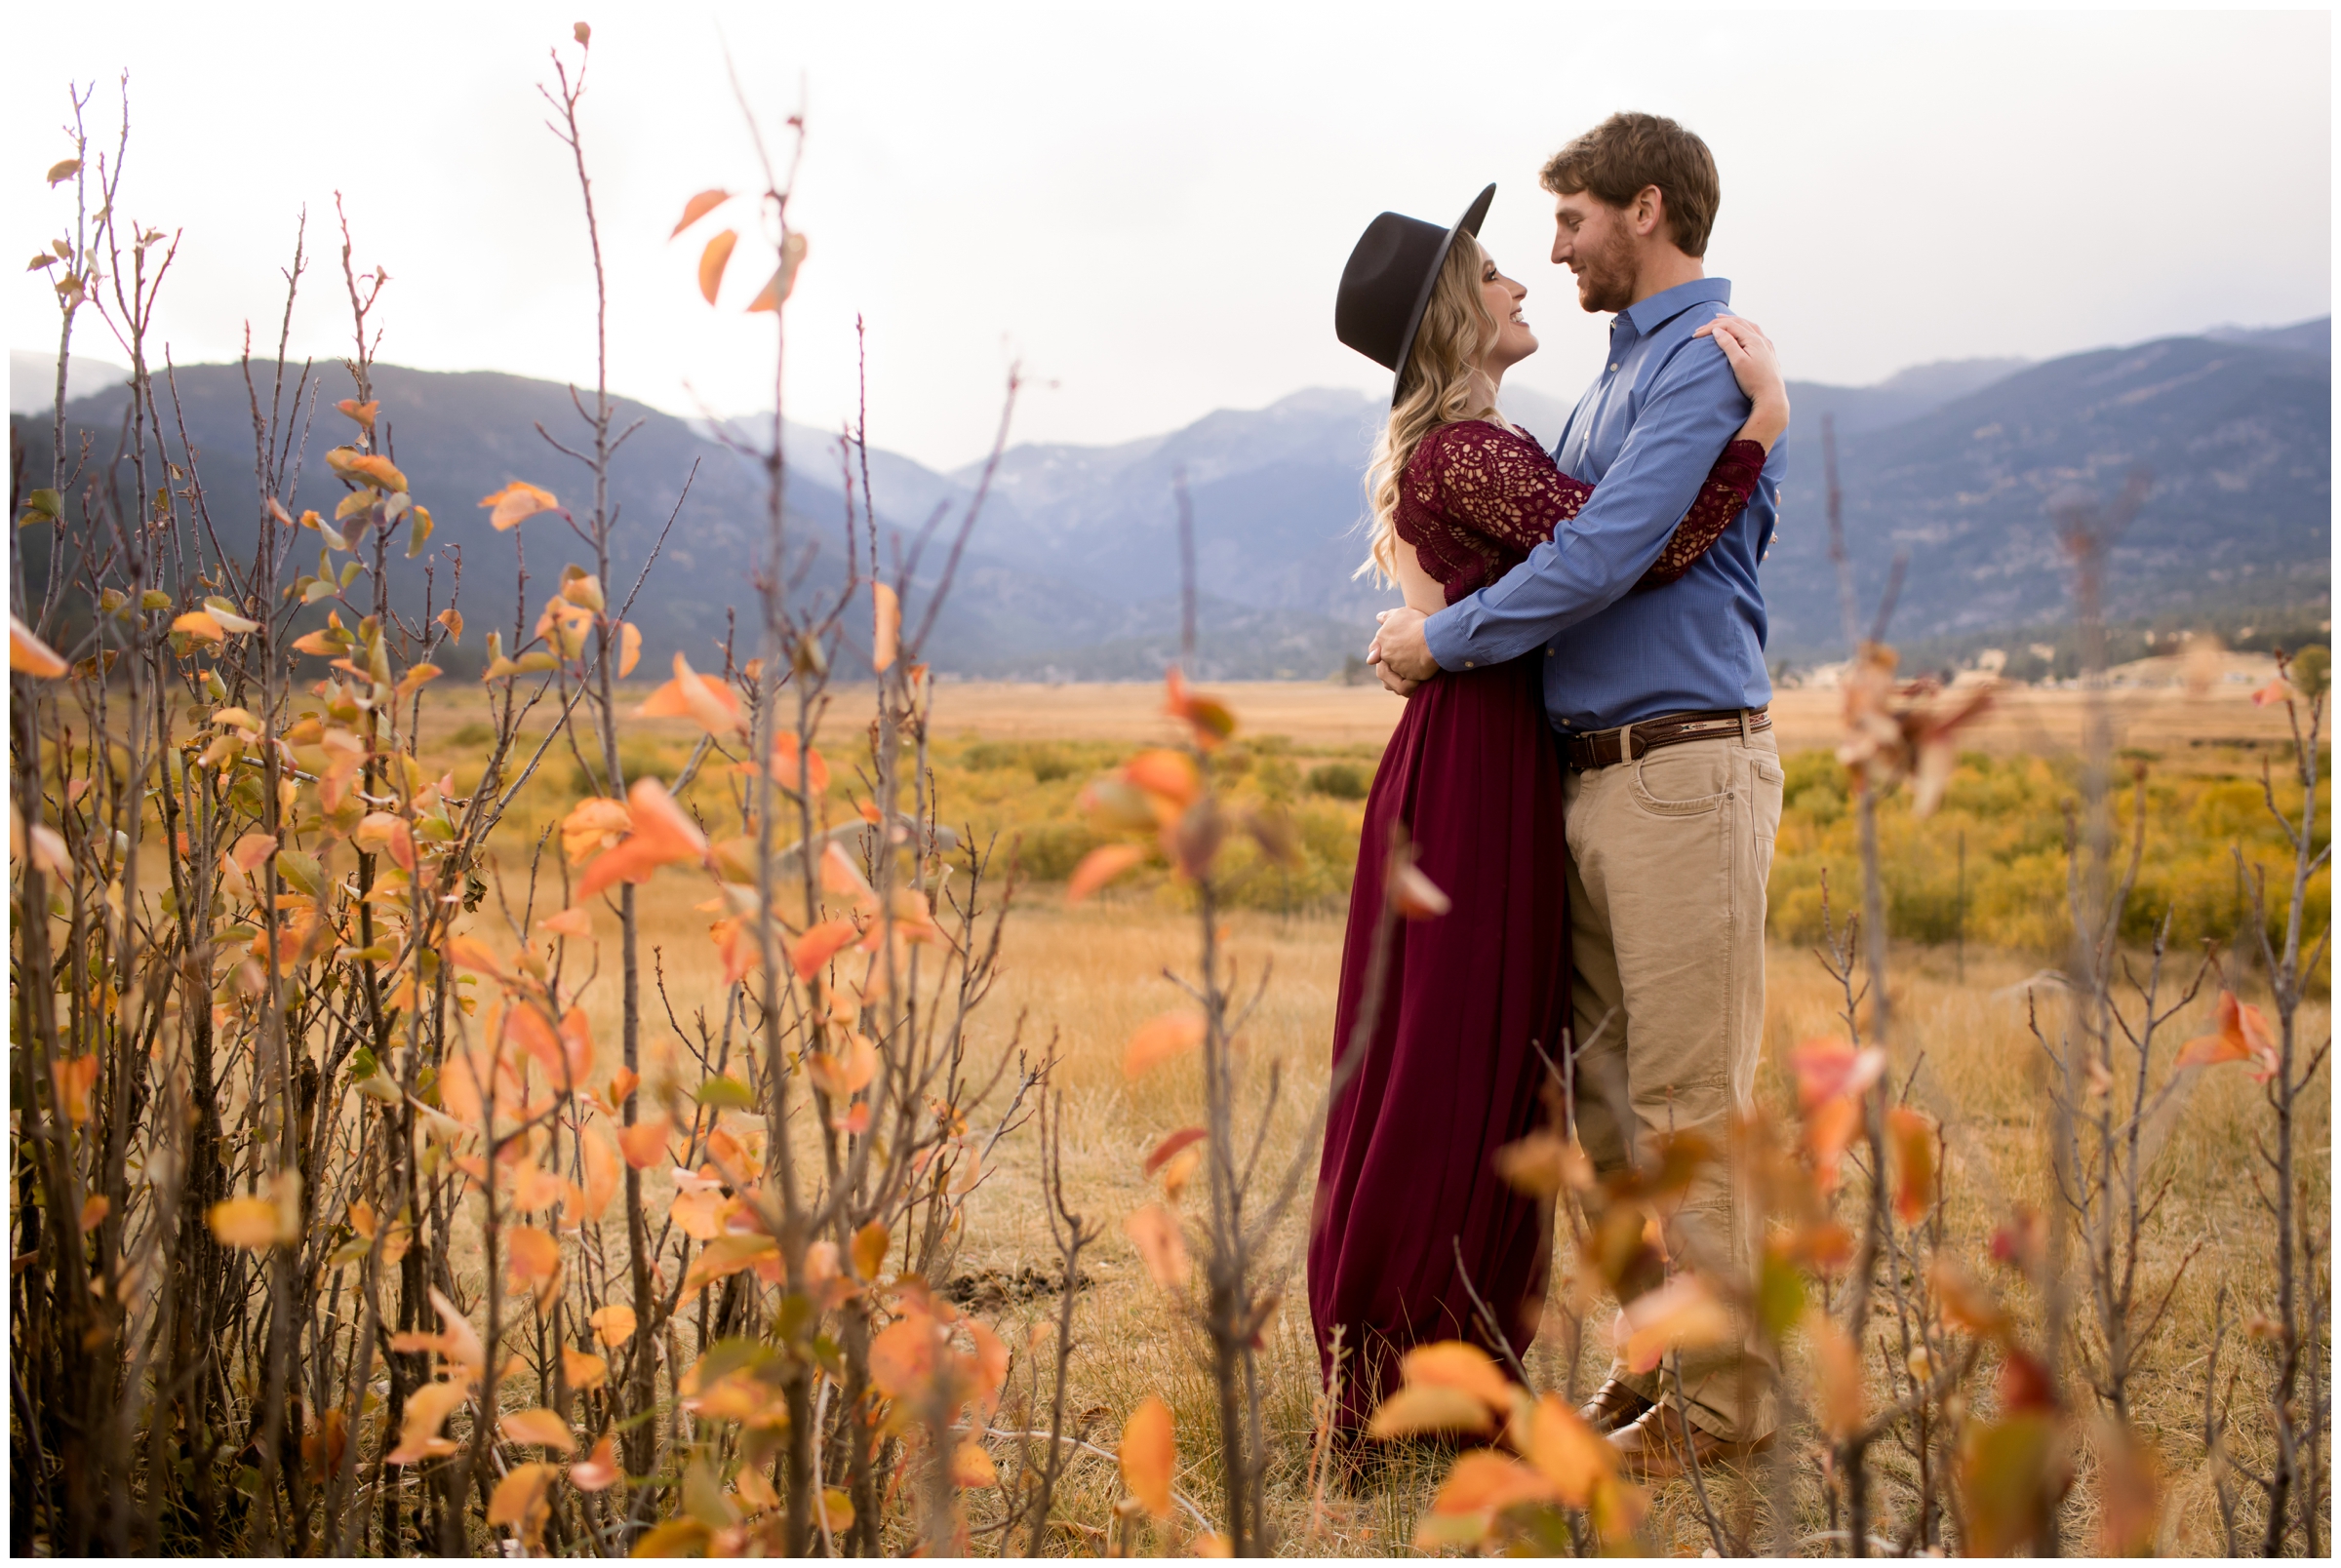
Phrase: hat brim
(1469, 224)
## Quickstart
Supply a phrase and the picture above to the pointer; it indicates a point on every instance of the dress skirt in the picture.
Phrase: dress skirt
(1453, 1071)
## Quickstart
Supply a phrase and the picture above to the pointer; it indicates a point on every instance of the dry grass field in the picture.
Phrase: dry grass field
(1085, 978)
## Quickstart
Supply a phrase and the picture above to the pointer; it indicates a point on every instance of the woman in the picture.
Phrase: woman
(1409, 1214)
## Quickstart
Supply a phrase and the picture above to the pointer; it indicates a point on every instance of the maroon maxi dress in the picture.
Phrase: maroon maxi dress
(1452, 1072)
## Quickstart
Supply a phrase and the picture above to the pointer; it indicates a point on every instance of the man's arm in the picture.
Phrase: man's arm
(1594, 558)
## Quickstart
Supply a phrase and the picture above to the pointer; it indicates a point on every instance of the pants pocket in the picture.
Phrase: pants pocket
(1682, 780)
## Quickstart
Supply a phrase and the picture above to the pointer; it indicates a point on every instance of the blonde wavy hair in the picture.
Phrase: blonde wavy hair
(1436, 389)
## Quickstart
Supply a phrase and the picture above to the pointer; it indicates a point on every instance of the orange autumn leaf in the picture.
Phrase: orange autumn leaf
(661, 836)
(195, 623)
(1680, 1315)
(379, 829)
(705, 698)
(516, 502)
(796, 773)
(362, 413)
(75, 1076)
(2242, 1035)
(1832, 1069)
(594, 824)
(1099, 867)
(1455, 1364)
(820, 943)
(1428, 1407)
(1486, 1481)
(427, 1409)
(541, 1427)
(1837, 1366)
(95, 1210)
(520, 1503)
(869, 1251)
(783, 281)
(1149, 1454)
(1170, 1146)
(613, 1324)
(629, 648)
(701, 1215)
(597, 1471)
(1206, 719)
(970, 1465)
(572, 922)
(698, 207)
(28, 655)
(532, 1254)
(1158, 1039)
(712, 261)
(1414, 894)
(644, 1144)
(1912, 1136)
(1153, 1230)
(586, 1372)
(1168, 773)
(1568, 1452)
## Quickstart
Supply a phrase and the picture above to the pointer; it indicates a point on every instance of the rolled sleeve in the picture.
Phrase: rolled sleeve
(1693, 408)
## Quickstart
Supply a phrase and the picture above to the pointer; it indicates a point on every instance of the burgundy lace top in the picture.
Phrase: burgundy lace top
(1476, 498)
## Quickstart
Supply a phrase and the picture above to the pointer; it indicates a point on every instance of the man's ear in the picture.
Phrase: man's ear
(1648, 213)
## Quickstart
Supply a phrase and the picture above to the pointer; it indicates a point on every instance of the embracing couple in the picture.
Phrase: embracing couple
(1585, 768)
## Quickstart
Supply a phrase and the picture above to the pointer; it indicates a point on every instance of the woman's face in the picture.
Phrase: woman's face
(1514, 341)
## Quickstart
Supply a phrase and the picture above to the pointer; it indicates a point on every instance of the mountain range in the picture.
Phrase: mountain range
(1072, 569)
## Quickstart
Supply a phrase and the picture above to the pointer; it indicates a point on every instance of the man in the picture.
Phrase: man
(1673, 790)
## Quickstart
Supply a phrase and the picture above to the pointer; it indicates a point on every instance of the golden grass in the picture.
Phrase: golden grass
(1090, 976)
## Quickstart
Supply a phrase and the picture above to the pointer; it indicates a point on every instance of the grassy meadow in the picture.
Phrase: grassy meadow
(1009, 761)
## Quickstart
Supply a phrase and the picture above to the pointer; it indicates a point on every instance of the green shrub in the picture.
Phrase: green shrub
(1343, 781)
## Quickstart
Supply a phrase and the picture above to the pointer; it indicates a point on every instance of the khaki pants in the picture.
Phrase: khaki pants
(1668, 856)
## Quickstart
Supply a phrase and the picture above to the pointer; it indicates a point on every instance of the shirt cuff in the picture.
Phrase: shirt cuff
(1443, 633)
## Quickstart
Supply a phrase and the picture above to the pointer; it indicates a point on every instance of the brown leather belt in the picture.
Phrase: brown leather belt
(1606, 747)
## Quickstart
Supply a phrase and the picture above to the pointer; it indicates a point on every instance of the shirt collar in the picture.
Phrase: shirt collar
(1664, 306)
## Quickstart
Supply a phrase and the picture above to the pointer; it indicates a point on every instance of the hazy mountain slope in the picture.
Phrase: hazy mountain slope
(2236, 436)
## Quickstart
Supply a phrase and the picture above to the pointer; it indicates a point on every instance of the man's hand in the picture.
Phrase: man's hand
(1401, 645)
(1396, 685)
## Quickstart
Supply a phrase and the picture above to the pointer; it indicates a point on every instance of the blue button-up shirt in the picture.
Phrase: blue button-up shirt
(1645, 434)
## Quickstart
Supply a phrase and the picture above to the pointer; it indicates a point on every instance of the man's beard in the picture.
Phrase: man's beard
(1605, 285)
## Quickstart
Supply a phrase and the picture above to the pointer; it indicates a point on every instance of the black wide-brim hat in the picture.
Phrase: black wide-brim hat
(1386, 286)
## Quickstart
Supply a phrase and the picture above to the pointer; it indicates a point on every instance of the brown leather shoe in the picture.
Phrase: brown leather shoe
(1613, 1405)
(1655, 1447)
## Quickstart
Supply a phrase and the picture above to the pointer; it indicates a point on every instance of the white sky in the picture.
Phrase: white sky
(1150, 205)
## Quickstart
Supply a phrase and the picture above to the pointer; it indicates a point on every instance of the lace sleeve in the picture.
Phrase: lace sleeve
(1500, 483)
(1729, 483)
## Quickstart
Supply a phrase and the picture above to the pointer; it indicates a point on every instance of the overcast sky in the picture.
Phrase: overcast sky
(1149, 206)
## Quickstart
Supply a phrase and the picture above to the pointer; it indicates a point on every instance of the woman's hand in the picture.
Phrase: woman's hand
(1756, 364)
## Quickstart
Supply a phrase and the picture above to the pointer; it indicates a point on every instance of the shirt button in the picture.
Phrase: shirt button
(1613, 366)
(1468, 665)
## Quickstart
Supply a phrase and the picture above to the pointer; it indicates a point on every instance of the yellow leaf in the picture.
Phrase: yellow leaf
(586, 1372)
(538, 1425)
(1149, 1452)
(245, 1221)
(837, 1509)
(712, 260)
(520, 1500)
(1428, 1407)
(1566, 1452)
(629, 648)
(453, 620)
(195, 623)
(698, 207)
(676, 1538)
(869, 1249)
(518, 501)
(427, 1410)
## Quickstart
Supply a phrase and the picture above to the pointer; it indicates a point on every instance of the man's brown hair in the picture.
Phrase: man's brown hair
(1626, 154)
